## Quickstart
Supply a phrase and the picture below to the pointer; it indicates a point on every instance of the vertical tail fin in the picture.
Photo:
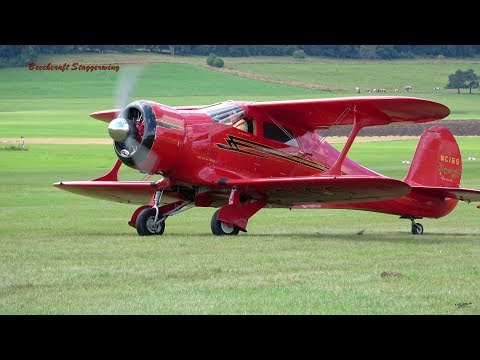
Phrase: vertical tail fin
(437, 160)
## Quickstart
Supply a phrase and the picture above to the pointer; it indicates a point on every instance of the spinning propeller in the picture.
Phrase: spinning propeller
(128, 127)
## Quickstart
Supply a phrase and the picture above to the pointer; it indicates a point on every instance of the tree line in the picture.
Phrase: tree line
(18, 55)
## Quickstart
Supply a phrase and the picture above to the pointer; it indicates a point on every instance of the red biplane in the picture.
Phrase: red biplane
(242, 156)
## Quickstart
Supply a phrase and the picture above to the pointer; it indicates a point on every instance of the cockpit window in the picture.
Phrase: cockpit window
(225, 112)
(280, 134)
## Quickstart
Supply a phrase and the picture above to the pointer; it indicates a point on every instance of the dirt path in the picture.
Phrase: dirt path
(257, 76)
(78, 141)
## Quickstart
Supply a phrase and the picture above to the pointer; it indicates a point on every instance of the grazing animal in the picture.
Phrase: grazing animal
(408, 88)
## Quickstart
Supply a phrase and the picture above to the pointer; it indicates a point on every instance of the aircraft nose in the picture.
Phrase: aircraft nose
(118, 129)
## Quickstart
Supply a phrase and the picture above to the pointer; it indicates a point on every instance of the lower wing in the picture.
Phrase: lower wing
(131, 192)
(322, 189)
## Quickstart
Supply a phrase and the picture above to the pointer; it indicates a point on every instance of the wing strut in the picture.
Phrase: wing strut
(336, 169)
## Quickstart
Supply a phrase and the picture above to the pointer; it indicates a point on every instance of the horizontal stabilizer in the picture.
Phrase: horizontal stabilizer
(467, 195)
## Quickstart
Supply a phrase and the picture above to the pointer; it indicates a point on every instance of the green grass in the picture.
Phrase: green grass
(65, 254)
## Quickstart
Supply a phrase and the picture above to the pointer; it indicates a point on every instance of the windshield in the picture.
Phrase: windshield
(225, 112)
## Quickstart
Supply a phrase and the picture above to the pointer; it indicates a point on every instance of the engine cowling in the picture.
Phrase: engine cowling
(148, 136)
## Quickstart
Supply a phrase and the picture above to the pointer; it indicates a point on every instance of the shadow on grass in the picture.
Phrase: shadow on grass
(393, 237)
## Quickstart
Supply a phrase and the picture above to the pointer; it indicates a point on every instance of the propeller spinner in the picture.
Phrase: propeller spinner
(118, 129)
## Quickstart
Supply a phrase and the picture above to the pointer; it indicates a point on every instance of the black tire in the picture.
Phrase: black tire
(221, 228)
(417, 229)
(145, 223)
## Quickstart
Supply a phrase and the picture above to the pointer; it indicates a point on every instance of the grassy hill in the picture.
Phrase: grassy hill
(57, 104)
(342, 76)
(36, 103)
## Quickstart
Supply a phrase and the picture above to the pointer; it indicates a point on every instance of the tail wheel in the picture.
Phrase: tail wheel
(146, 224)
(222, 228)
(417, 229)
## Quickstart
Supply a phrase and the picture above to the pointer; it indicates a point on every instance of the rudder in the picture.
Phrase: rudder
(437, 160)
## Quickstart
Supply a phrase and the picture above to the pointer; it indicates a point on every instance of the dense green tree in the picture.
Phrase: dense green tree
(348, 51)
(387, 52)
(211, 58)
(368, 52)
(289, 49)
(28, 54)
(221, 50)
(157, 48)
(471, 79)
(203, 50)
(299, 54)
(183, 50)
(218, 62)
(238, 51)
(457, 80)
(18, 55)
(8, 52)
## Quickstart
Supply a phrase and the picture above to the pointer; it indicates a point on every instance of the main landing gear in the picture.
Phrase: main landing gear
(222, 228)
(151, 220)
(148, 224)
(233, 217)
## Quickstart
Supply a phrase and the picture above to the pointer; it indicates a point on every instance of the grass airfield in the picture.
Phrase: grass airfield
(66, 254)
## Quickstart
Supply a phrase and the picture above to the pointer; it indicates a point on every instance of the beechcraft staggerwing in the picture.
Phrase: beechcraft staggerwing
(241, 156)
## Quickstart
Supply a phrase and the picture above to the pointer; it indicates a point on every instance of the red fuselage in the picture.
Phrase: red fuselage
(192, 149)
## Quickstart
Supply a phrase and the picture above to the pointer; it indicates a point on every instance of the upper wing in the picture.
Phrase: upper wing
(324, 189)
(467, 195)
(369, 110)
